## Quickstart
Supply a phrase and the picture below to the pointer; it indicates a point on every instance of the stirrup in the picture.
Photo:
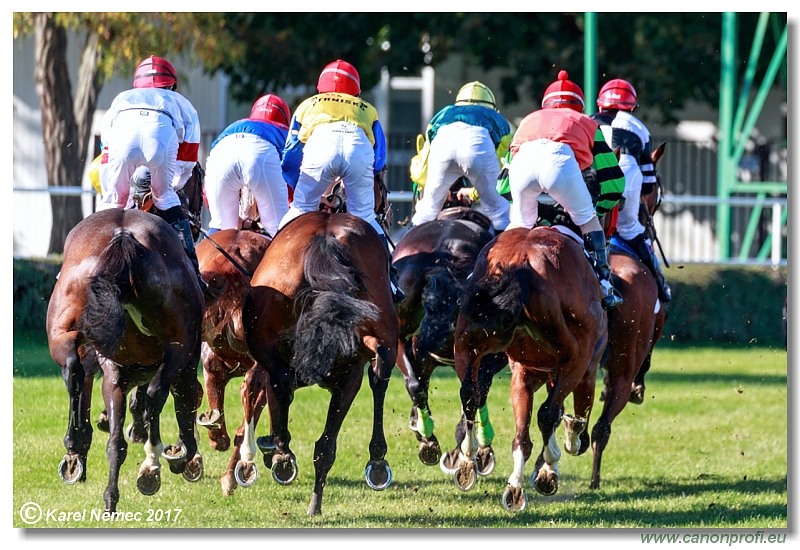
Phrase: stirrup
(612, 298)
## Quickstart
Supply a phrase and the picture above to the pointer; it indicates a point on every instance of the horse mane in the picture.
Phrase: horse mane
(112, 282)
(330, 313)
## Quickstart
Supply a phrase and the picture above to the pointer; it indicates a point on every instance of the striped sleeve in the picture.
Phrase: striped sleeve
(609, 175)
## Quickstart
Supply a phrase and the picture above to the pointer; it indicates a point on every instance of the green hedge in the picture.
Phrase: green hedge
(726, 305)
(710, 305)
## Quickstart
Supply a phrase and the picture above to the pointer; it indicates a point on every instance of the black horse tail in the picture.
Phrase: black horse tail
(439, 300)
(103, 319)
(496, 303)
(327, 327)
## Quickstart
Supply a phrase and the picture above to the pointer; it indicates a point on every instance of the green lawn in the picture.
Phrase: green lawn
(708, 448)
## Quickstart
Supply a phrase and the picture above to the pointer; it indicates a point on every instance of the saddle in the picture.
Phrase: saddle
(334, 200)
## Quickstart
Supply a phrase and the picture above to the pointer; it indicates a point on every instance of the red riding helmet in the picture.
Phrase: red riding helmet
(617, 94)
(339, 76)
(271, 108)
(563, 93)
(155, 72)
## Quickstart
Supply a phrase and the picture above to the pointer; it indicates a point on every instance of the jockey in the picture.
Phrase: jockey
(617, 100)
(465, 139)
(248, 153)
(152, 126)
(548, 153)
(336, 133)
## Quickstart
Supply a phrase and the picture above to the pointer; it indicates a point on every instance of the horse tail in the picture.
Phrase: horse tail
(327, 327)
(439, 300)
(103, 319)
(496, 303)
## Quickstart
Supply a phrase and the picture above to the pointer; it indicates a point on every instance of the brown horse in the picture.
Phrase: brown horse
(533, 295)
(127, 300)
(433, 261)
(634, 328)
(227, 260)
(319, 309)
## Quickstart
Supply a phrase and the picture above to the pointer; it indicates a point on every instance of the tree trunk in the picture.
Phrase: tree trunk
(63, 151)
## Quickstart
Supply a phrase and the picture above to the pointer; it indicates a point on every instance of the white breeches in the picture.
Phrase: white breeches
(141, 137)
(460, 149)
(245, 160)
(544, 166)
(628, 225)
(337, 149)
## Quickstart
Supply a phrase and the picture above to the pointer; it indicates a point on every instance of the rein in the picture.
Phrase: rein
(228, 257)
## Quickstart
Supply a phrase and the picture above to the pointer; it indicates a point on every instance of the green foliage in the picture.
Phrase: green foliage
(707, 449)
(33, 284)
(726, 305)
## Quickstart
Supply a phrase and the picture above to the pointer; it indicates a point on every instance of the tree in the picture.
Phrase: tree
(111, 42)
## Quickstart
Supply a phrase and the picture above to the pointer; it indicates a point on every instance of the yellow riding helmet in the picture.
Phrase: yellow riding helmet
(476, 93)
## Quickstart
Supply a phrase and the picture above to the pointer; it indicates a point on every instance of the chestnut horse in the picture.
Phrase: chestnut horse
(127, 300)
(227, 260)
(533, 295)
(433, 261)
(634, 327)
(319, 309)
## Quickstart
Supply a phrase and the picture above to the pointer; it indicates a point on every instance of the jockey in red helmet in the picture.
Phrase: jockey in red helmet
(617, 100)
(336, 133)
(247, 154)
(550, 149)
(152, 133)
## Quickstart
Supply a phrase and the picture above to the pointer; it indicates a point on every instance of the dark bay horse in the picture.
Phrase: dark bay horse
(433, 261)
(634, 328)
(533, 295)
(227, 261)
(127, 300)
(320, 309)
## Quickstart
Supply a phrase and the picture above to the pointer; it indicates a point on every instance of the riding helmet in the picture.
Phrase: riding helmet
(339, 76)
(563, 93)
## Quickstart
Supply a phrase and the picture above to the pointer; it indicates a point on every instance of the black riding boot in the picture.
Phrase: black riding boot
(642, 246)
(397, 293)
(175, 217)
(595, 242)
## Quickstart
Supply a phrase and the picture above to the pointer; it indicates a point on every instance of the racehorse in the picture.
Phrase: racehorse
(533, 295)
(433, 261)
(634, 328)
(319, 309)
(227, 260)
(127, 300)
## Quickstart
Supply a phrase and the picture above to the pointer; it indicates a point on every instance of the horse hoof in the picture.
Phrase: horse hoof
(514, 499)
(378, 475)
(71, 469)
(245, 473)
(466, 475)
(546, 484)
(174, 453)
(637, 394)
(134, 435)
(222, 442)
(284, 471)
(449, 463)
(485, 460)
(102, 422)
(149, 482)
(228, 484)
(429, 452)
(266, 444)
(211, 420)
(194, 469)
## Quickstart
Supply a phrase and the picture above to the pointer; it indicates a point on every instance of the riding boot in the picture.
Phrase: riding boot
(595, 242)
(644, 248)
(397, 293)
(175, 217)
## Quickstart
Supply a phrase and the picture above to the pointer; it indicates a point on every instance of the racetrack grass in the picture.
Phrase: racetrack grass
(707, 449)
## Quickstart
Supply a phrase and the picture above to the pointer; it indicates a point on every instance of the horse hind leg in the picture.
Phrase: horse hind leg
(78, 439)
(378, 473)
(117, 447)
(254, 399)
